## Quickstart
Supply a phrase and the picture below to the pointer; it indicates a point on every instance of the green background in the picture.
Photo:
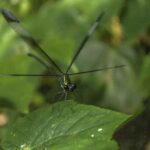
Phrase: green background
(123, 38)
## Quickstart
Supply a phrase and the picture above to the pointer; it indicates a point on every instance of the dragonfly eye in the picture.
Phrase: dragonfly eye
(71, 87)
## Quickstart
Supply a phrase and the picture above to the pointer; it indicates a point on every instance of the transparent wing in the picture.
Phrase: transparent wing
(85, 39)
(15, 24)
(30, 75)
(39, 60)
(96, 70)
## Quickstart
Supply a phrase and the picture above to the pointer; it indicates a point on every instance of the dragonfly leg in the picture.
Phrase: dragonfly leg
(66, 95)
(62, 96)
(76, 94)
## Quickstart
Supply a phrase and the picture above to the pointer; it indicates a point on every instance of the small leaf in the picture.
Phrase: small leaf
(66, 126)
(137, 19)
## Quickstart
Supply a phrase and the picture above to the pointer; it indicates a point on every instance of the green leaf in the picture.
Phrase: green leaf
(145, 76)
(18, 91)
(137, 19)
(7, 117)
(66, 126)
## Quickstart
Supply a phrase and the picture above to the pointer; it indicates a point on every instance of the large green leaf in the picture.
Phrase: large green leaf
(66, 126)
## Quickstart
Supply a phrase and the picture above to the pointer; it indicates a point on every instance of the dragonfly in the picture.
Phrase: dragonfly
(64, 77)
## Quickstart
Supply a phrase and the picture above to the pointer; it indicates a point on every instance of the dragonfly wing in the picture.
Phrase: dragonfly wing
(15, 24)
(85, 39)
(29, 75)
(96, 70)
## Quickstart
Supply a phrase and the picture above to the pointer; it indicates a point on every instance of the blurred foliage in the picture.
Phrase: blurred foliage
(135, 133)
(59, 26)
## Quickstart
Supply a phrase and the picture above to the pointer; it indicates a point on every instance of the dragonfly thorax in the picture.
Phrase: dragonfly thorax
(66, 84)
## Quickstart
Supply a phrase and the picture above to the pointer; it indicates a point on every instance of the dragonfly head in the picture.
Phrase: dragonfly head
(70, 87)
(66, 84)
